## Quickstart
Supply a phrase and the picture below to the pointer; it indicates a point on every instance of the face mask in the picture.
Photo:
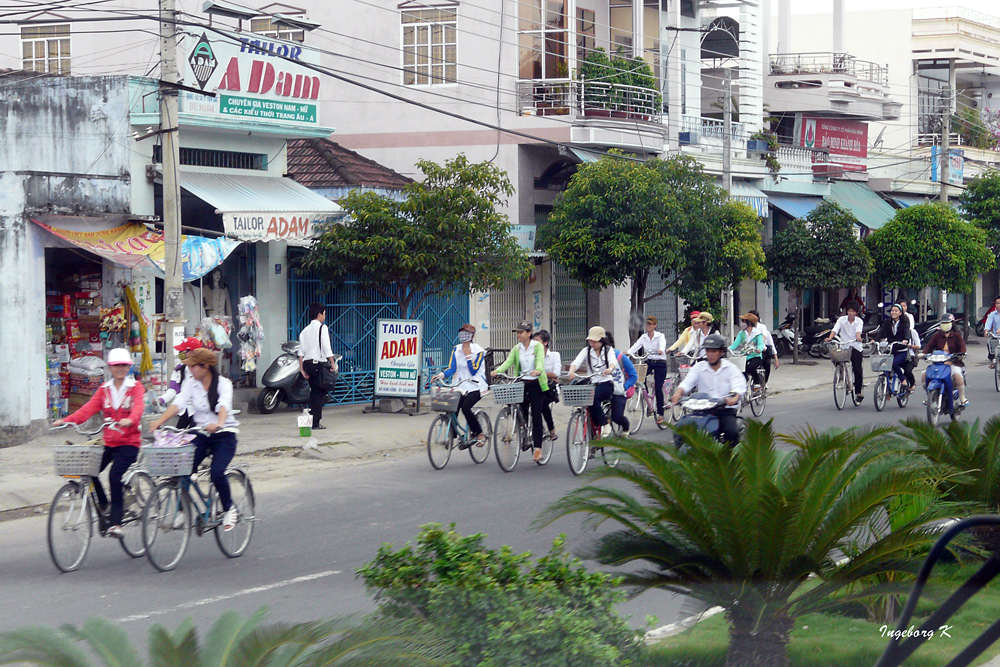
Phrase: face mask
(946, 327)
(744, 325)
(464, 336)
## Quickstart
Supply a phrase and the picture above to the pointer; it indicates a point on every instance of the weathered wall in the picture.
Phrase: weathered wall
(64, 149)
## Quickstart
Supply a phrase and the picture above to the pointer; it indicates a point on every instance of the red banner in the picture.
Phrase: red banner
(846, 141)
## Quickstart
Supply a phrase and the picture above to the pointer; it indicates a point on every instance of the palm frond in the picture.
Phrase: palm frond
(108, 641)
(222, 641)
(41, 647)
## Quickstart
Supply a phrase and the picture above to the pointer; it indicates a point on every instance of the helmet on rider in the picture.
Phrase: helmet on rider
(714, 342)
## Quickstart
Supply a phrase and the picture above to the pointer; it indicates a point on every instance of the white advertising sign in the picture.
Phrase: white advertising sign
(275, 226)
(252, 76)
(399, 344)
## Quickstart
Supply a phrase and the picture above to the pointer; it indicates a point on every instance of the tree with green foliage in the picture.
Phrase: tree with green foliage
(620, 220)
(765, 533)
(444, 236)
(501, 609)
(929, 245)
(820, 251)
(232, 641)
(981, 206)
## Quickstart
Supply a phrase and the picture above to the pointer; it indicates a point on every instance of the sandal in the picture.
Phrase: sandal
(553, 435)
(480, 440)
(538, 455)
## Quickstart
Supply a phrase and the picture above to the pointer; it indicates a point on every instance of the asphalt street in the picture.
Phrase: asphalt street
(316, 529)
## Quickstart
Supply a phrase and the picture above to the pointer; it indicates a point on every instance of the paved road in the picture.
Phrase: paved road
(319, 527)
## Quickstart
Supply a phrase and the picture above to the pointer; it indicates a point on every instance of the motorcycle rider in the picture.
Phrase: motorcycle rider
(949, 339)
(896, 330)
(993, 326)
(849, 327)
(719, 379)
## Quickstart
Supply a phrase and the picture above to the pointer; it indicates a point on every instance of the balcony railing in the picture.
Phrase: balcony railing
(569, 97)
(712, 129)
(936, 13)
(829, 63)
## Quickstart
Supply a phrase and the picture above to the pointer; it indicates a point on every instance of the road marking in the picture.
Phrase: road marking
(221, 598)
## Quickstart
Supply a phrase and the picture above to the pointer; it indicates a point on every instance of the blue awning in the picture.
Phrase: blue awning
(748, 194)
(871, 210)
(906, 201)
(796, 207)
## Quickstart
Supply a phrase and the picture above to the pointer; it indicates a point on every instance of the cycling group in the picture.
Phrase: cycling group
(204, 399)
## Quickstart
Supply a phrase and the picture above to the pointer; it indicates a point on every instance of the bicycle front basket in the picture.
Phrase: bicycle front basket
(574, 395)
(881, 363)
(169, 461)
(740, 362)
(78, 459)
(840, 354)
(640, 371)
(505, 394)
(445, 399)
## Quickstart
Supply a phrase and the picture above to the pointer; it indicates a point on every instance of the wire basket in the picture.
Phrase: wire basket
(840, 354)
(445, 399)
(169, 461)
(574, 395)
(640, 371)
(682, 371)
(506, 394)
(78, 459)
(881, 363)
(740, 361)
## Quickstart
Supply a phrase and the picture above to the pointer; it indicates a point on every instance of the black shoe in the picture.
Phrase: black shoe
(319, 428)
(858, 398)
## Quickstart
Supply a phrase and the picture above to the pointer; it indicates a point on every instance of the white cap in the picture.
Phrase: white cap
(119, 355)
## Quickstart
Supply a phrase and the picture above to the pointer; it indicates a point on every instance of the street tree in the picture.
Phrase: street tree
(929, 245)
(981, 206)
(444, 235)
(622, 221)
(819, 251)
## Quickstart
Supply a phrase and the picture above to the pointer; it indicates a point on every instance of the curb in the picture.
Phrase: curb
(671, 629)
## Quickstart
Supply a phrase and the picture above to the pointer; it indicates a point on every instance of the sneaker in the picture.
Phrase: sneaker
(859, 398)
(624, 433)
(229, 519)
(116, 531)
(178, 522)
(606, 431)
(964, 402)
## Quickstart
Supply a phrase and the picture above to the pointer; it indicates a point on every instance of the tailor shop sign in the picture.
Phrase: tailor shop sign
(253, 77)
(274, 226)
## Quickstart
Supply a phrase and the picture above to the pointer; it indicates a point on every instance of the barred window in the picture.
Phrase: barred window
(45, 48)
(430, 45)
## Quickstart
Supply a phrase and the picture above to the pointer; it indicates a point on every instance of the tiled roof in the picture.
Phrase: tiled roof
(321, 163)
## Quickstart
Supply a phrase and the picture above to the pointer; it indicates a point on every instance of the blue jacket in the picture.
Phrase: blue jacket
(631, 377)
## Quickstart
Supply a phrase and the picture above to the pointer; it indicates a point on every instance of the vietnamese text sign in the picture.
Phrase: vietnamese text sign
(846, 140)
(399, 346)
(248, 107)
(956, 165)
(274, 226)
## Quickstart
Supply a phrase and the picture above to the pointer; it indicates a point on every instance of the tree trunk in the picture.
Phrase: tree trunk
(636, 320)
(758, 641)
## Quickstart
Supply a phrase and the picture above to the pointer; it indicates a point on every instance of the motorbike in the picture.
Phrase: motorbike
(942, 397)
(699, 409)
(283, 383)
(814, 337)
(784, 336)
(981, 324)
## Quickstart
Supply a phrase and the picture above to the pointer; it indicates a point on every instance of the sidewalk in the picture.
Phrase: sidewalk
(274, 448)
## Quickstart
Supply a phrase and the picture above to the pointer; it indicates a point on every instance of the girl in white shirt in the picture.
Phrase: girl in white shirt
(600, 360)
(467, 367)
(553, 366)
(654, 346)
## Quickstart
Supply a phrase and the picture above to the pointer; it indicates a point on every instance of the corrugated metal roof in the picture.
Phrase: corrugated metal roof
(871, 210)
(797, 207)
(230, 193)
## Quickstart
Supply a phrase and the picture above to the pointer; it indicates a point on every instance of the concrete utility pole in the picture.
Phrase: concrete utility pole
(727, 184)
(173, 289)
(944, 173)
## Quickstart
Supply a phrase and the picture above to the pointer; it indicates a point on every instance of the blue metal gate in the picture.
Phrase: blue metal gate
(352, 314)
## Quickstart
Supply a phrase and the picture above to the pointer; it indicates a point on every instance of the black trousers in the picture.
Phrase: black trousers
(754, 372)
(659, 368)
(533, 401)
(908, 371)
(222, 447)
(768, 362)
(120, 458)
(857, 364)
(606, 391)
(465, 405)
(547, 401)
(729, 425)
(317, 395)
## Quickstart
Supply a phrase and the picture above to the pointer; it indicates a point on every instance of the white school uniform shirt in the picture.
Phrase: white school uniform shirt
(314, 342)
(597, 365)
(849, 332)
(463, 379)
(694, 347)
(658, 342)
(553, 362)
(118, 394)
(914, 340)
(526, 359)
(716, 383)
(768, 338)
(194, 394)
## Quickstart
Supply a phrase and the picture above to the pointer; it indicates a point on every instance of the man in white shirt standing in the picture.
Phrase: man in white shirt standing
(314, 351)
(654, 345)
(850, 327)
(719, 379)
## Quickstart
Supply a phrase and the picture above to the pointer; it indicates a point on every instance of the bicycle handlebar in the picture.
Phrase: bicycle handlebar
(107, 423)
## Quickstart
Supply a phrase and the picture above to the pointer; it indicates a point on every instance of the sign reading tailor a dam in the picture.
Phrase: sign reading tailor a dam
(253, 77)
(399, 349)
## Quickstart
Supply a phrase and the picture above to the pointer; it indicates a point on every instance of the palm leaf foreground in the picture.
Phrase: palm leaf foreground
(232, 641)
(745, 529)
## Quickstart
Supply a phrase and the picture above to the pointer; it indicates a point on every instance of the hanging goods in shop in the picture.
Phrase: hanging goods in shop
(146, 364)
(250, 333)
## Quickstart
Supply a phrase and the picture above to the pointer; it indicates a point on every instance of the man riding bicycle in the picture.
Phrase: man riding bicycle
(719, 379)
(993, 328)
(849, 328)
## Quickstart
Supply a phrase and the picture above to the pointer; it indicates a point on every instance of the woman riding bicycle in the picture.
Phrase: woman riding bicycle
(654, 346)
(467, 364)
(601, 362)
(121, 399)
(553, 366)
(211, 397)
(527, 359)
(752, 339)
(896, 330)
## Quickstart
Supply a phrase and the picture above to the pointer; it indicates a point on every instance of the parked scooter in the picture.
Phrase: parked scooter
(784, 336)
(942, 397)
(815, 336)
(699, 409)
(283, 383)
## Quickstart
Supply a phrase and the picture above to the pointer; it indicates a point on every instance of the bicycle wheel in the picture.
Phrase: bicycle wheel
(635, 409)
(235, 541)
(138, 489)
(611, 456)
(934, 401)
(996, 374)
(902, 399)
(507, 438)
(71, 525)
(758, 400)
(578, 441)
(840, 386)
(881, 389)
(166, 525)
(439, 441)
(481, 453)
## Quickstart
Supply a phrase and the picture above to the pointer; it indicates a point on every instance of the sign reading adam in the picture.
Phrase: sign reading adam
(399, 344)
(253, 77)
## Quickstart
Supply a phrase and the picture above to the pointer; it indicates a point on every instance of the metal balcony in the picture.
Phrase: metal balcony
(586, 99)
(829, 63)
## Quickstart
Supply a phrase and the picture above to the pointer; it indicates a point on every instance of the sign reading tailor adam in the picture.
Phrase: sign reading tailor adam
(253, 77)
(847, 141)
(399, 344)
(275, 226)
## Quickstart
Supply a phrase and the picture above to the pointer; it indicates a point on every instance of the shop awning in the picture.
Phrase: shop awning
(261, 208)
(748, 194)
(871, 210)
(585, 155)
(796, 207)
(135, 246)
(906, 201)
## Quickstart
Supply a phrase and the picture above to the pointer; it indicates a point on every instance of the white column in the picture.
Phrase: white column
(272, 299)
(638, 27)
(784, 26)
(673, 73)
(751, 75)
(838, 26)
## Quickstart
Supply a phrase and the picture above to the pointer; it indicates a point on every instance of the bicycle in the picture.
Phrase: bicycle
(843, 376)
(756, 392)
(581, 430)
(445, 427)
(75, 507)
(167, 516)
(991, 344)
(642, 402)
(512, 433)
(888, 383)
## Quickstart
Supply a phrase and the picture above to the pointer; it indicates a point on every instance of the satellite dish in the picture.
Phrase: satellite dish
(878, 139)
